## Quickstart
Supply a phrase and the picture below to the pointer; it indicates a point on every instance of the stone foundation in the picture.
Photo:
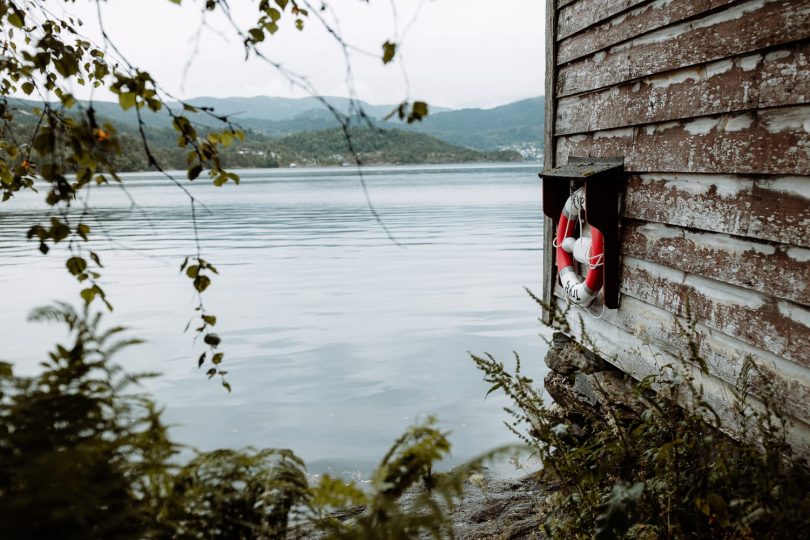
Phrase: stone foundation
(584, 386)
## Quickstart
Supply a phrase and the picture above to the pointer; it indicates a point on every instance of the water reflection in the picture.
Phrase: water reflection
(335, 337)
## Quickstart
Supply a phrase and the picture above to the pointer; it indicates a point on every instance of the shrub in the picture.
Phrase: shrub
(668, 471)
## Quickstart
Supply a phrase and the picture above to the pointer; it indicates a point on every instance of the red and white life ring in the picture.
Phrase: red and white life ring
(586, 250)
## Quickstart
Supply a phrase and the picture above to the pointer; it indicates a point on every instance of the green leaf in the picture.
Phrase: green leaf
(6, 370)
(212, 339)
(126, 99)
(217, 358)
(88, 294)
(83, 230)
(28, 87)
(210, 319)
(194, 171)
(17, 19)
(418, 111)
(96, 259)
(201, 283)
(389, 51)
(256, 34)
(76, 265)
(201, 360)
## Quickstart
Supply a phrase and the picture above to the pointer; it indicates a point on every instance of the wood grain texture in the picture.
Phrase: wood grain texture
(771, 141)
(772, 78)
(549, 150)
(563, 3)
(775, 270)
(742, 28)
(775, 209)
(580, 15)
(640, 339)
(640, 20)
(777, 326)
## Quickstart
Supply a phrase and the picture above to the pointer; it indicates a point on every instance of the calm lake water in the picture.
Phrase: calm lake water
(336, 339)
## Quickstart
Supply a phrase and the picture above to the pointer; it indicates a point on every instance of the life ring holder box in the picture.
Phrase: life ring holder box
(604, 181)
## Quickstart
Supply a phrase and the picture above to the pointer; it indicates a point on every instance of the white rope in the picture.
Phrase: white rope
(556, 243)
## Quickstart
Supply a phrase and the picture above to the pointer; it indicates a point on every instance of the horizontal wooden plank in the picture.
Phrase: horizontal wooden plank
(585, 13)
(640, 339)
(772, 269)
(642, 19)
(777, 326)
(740, 29)
(771, 141)
(775, 209)
(777, 77)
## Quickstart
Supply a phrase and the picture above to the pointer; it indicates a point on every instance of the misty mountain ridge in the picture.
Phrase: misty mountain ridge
(515, 126)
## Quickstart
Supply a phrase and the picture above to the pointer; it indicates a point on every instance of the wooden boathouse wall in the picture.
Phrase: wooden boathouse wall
(708, 101)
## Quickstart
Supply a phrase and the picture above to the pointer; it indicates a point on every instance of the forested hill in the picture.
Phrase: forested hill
(307, 135)
(312, 148)
(515, 126)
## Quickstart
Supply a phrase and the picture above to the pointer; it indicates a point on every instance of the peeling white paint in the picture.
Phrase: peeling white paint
(794, 312)
(701, 126)
(718, 68)
(723, 293)
(658, 231)
(789, 185)
(749, 63)
(723, 242)
(659, 128)
(791, 118)
(799, 254)
(670, 32)
(736, 12)
(777, 55)
(614, 133)
(677, 77)
(696, 184)
(739, 123)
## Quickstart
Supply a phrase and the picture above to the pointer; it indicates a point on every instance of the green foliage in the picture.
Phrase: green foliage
(373, 145)
(84, 456)
(235, 494)
(667, 470)
(76, 449)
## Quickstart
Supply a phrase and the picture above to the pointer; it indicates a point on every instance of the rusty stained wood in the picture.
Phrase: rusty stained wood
(773, 269)
(777, 77)
(644, 18)
(775, 209)
(585, 13)
(740, 29)
(641, 339)
(777, 326)
(770, 141)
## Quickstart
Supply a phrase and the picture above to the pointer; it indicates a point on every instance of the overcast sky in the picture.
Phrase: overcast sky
(457, 53)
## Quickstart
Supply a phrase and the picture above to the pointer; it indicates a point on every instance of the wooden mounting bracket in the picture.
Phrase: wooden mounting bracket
(604, 181)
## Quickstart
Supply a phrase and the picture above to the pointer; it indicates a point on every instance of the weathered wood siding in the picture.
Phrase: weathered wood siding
(708, 101)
